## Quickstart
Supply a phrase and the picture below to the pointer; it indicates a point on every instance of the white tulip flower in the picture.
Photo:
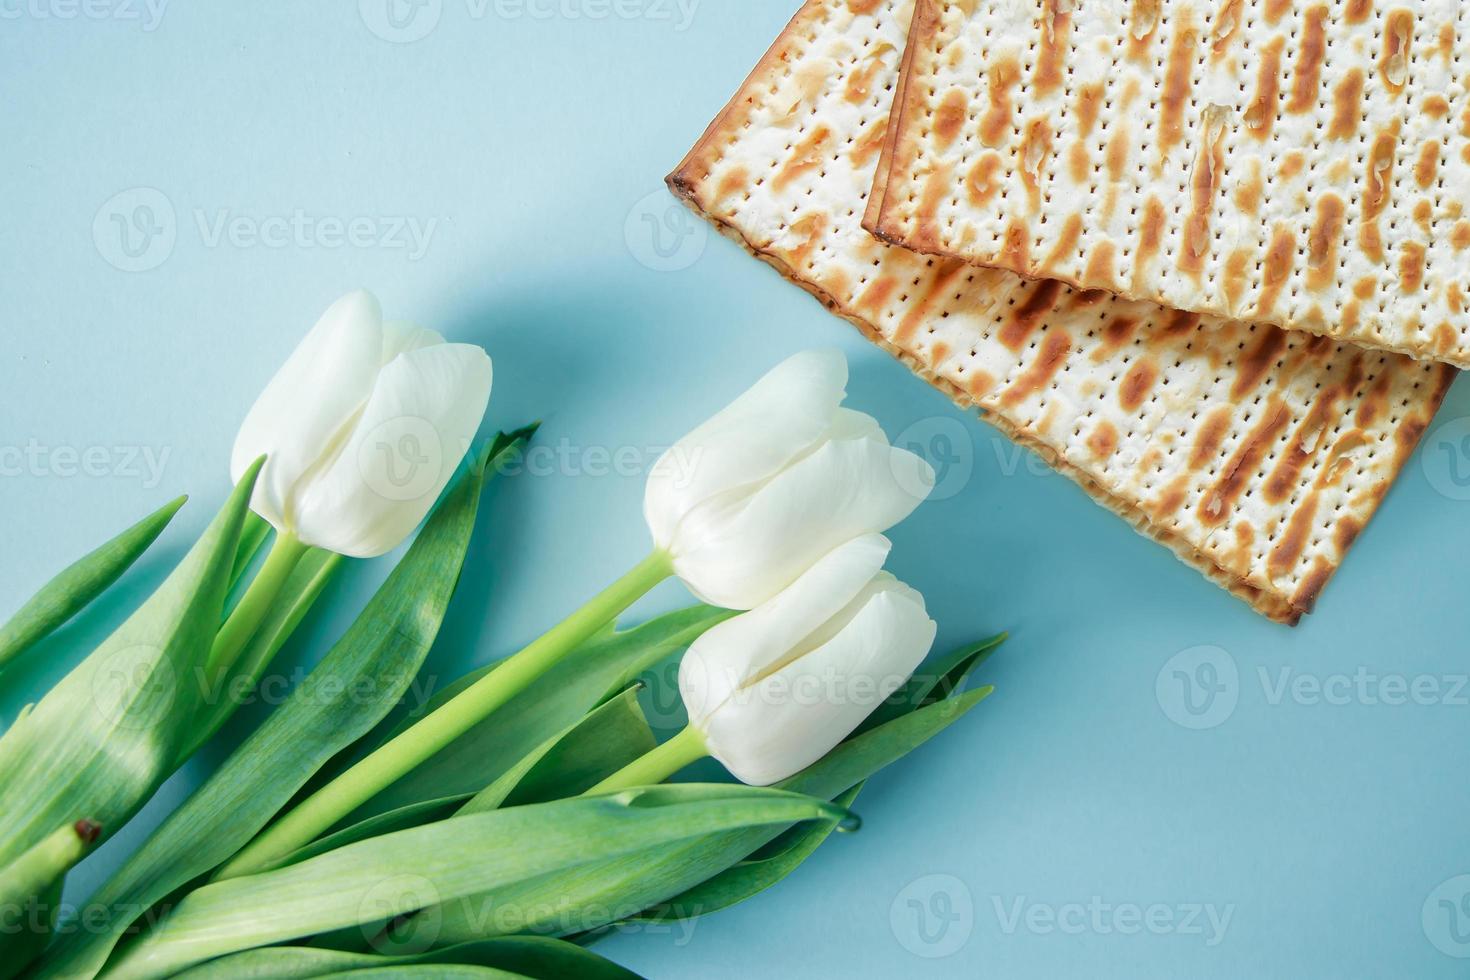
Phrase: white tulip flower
(749, 500)
(362, 428)
(762, 495)
(773, 690)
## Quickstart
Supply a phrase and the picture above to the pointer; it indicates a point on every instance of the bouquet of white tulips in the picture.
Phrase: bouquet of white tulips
(523, 810)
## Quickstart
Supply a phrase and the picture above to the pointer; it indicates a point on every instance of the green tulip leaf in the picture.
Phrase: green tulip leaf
(609, 660)
(442, 864)
(593, 896)
(252, 537)
(554, 702)
(570, 762)
(37, 917)
(751, 876)
(534, 957)
(447, 971)
(574, 760)
(609, 738)
(108, 733)
(74, 588)
(30, 886)
(351, 690)
(412, 815)
(302, 589)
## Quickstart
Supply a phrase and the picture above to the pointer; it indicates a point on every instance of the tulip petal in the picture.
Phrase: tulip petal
(739, 555)
(306, 406)
(752, 439)
(415, 429)
(736, 652)
(795, 716)
(850, 424)
(400, 337)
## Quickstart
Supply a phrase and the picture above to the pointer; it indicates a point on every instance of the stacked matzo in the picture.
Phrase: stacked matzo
(1304, 163)
(1257, 455)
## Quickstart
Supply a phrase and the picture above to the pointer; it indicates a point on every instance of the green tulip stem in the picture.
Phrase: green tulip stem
(657, 764)
(436, 730)
(256, 603)
(29, 876)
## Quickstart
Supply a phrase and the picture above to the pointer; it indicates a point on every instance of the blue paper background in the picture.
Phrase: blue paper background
(1068, 827)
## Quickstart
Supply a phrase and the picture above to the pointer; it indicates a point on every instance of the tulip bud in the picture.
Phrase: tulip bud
(362, 428)
(775, 689)
(749, 500)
